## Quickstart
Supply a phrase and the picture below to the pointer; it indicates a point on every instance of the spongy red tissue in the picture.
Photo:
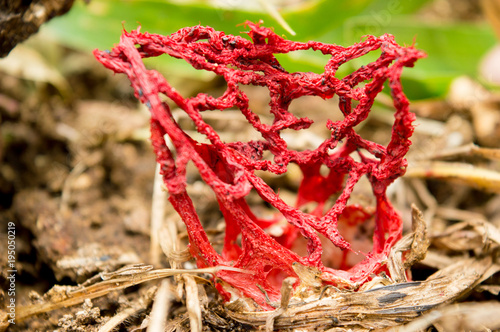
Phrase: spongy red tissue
(229, 169)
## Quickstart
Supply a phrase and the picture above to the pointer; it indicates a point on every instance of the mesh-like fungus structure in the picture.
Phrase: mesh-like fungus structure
(229, 169)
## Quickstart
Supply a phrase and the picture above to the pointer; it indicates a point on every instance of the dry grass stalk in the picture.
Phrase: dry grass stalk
(193, 303)
(125, 314)
(458, 317)
(381, 307)
(66, 296)
(470, 149)
(161, 306)
(473, 234)
(157, 216)
(118, 319)
(473, 176)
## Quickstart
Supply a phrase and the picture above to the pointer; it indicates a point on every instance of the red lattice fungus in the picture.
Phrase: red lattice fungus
(229, 168)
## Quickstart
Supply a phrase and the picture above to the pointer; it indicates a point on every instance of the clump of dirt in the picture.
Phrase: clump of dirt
(20, 19)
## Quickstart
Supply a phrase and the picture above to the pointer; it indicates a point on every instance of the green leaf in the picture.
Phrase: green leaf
(453, 49)
(99, 24)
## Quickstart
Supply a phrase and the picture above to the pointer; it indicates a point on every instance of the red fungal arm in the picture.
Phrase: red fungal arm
(229, 168)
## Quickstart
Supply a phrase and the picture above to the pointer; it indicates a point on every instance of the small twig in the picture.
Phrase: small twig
(324, 289)
(286, 294)
(266, 296)
(287, 291)
(417, 243)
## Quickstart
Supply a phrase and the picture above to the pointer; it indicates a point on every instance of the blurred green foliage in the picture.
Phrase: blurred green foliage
(453, 48)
